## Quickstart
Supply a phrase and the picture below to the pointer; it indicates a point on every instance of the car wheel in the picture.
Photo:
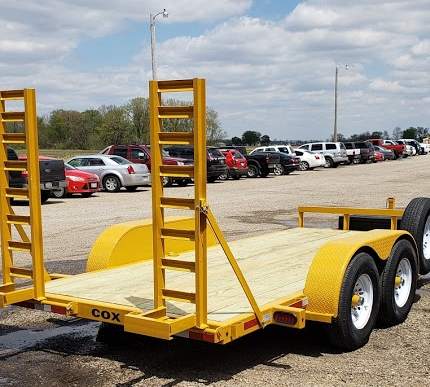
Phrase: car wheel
(167, 181)
(278, 171)
(60, 193)
(328, 162)
(182, 182)
(224, 176)
(131, 188)
(111, 184)
(253, 171)
(398, 284)
(44, 195)
(358, 304)
(304, 166)
(416, 220)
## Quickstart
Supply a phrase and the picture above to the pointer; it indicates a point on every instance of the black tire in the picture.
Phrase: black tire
(279, 171)
(253, 171)
(111, 184)
(416, 220)
(182, 182)
(87, 194)
(335, 165)
(167, 181)
(236, 177)
(398, 283)
(224, 176)
(60, 193)
(131, 188)
(328, 162)
(304, 166)
(350, 332)
(44, 195)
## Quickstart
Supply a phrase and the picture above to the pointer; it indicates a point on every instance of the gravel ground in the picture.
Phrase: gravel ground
(43, 349)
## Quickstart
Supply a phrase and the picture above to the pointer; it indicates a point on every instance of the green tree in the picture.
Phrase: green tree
(214, 133)
(397, 133)
(251, 137)
(138, 111)
(265, 140)
(376, 135)
(236, 141)
(410, 133)
(421, 133)
(116, 127)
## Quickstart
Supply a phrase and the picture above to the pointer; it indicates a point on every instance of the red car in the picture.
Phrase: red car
(236, 163)
(379, 156)
(80, 182)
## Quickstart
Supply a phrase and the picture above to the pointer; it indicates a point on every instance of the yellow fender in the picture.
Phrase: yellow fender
(325, 276)
(130, 242)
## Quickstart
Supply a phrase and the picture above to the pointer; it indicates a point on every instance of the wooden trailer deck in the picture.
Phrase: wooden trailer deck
(275, 266)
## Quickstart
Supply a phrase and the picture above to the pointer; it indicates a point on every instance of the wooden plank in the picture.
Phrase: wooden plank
(275, 266)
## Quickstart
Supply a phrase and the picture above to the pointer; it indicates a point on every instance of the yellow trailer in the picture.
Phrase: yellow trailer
(177, 275)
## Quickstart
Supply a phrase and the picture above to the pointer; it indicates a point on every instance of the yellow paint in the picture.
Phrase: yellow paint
(326, 273)
(130, 242)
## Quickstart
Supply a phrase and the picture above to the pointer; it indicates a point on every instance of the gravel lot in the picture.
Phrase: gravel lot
(43, 349)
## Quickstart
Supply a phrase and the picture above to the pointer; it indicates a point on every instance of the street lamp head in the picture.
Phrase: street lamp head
(165, 14)
(346, 67)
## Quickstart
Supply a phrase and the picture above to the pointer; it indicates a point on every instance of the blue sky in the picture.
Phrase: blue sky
(269, 65)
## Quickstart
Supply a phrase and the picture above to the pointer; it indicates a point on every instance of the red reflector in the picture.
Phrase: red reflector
(285, 318)
(130, 170)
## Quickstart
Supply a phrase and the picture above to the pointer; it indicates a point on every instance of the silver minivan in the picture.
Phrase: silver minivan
(334, 152)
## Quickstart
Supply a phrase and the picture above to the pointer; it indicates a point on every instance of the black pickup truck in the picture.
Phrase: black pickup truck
(262, 163)
(52, 175)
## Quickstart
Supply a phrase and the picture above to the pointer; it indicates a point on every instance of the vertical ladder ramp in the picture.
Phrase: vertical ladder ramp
(157, 322)
(12, 225)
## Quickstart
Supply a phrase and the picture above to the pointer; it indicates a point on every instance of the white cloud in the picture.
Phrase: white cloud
(275, 76)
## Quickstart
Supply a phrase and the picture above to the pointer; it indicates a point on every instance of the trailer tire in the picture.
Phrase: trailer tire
(358, 304)
(416, 220)
(398, 283)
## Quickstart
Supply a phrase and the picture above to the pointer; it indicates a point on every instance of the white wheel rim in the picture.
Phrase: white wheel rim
(403, 283)
(426, 239)
(362, 301)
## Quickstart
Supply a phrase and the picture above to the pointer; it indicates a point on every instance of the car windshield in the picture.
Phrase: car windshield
(237, 155)
(215, 152)
(120, 160)
(283, 149)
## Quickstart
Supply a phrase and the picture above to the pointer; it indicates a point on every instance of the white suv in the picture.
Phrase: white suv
(334, 152)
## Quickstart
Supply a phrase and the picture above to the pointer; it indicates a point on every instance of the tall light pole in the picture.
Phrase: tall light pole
(152, 27)
(335, 101)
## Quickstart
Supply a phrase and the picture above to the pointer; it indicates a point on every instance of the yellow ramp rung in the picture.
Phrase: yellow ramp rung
(14, 138)
(175, 112)
(177, 203)
(186, 171)
(177, 295)
(18, 219)
(11, 94)
(176, 138)
(20, 246)
(21, 272)
(17, 193)
(175, 85)
(172, 233)
(176, 264)
(15, 165)
(13, 116)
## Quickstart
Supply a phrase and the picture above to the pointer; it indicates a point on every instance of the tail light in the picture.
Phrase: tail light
(130, 170)
(285, 318)
(317, 157)
(267, 160)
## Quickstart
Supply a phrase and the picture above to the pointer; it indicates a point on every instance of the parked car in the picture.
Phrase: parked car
(425, 148)
(353, 153)
(240, 148)
(309, 160)
(397, 149)
(288, 163)
(416, 146)
(367, 152)
(236, 163)
(141, 154)
(80, 182)
(114, 171)
(216, 164)
(274, 148)
(408, 151)
(334, 152)
(388, 154)
(378, 156)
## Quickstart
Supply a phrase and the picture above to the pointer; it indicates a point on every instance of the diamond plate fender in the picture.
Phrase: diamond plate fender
(325, 276)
